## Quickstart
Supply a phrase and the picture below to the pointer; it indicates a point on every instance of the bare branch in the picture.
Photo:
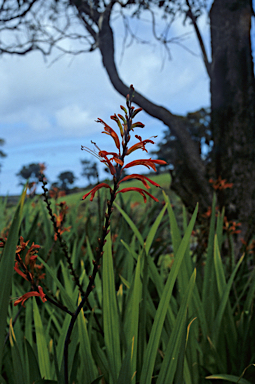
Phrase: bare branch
(199, 37)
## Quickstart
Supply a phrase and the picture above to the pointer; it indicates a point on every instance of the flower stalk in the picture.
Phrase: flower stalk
(115, 162)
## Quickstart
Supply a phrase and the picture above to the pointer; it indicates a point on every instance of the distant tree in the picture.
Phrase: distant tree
(65, 179)
(2, 154)
(198, 125)
(31, 172)
(89, 170)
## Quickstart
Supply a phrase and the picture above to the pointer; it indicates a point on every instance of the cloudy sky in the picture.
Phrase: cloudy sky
(48, 111)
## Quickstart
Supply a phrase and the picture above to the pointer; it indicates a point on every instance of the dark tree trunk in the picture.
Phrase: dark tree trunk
(233, 108)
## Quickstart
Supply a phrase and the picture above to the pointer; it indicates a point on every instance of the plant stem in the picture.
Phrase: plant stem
(99, 254)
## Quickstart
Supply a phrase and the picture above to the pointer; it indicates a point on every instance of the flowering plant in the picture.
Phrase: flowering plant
(115, 160)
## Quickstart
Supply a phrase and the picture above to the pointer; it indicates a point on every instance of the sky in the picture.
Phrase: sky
(48, 110)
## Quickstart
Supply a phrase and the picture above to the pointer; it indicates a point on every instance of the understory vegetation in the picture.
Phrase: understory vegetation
(116, 290)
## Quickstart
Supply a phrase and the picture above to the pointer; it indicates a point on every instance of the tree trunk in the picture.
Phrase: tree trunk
(233, 108)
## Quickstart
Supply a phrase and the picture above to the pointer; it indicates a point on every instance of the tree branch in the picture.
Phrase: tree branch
(200, 40)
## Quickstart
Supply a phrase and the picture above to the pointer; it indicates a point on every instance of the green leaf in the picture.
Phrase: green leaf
(33, 367)
(131, 224)
(132, 315)
(174, 346)
(42, 381)
(97, 380)
(110, 313)
(16, 357)
(231, 378)
(154, 229)
(208, 297)
(67, 299)
(88, 368)
(41, 343)
(175, 232)
(6, 269)
(151, 351)
(224, 291)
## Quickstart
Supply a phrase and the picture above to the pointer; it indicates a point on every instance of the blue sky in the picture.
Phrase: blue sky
(49, 111)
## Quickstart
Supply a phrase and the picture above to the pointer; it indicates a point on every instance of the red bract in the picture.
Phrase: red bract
(96, 188)
(140, 190)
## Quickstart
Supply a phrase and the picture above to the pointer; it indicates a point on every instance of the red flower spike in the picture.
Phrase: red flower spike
(142, 179)
(140, 190)
(149, 163)
(26, 296)
(96, 188)
(31, 253)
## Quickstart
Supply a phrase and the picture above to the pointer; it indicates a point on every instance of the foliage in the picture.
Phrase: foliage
(217, 330)
(31, 172)
(198, 125)
(65, 179)
(89, 170)
(135, 305)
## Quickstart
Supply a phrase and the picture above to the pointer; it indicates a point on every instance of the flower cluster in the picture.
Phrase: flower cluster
(60, 219)
(232, 227)
(115, 160)
(220, 184)
(27, 268)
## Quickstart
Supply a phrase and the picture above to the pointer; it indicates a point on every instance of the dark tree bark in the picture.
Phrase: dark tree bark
(233, 107)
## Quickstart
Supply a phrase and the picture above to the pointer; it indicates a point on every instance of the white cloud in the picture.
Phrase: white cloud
(73, 119)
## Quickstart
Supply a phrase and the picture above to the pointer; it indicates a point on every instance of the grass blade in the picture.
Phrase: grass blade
(151, 351)
(41, 343)
(110, 313)
(168, 368)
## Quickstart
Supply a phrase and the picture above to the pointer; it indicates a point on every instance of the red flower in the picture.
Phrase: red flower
(149, 163)
(220, 183)
(141, 145)
(109, 131)
(26, 296)
(140, 190)
(16, 268)
(142, 178)
(96, 188)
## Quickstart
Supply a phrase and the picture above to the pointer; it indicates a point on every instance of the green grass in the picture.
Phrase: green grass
(163, 179)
